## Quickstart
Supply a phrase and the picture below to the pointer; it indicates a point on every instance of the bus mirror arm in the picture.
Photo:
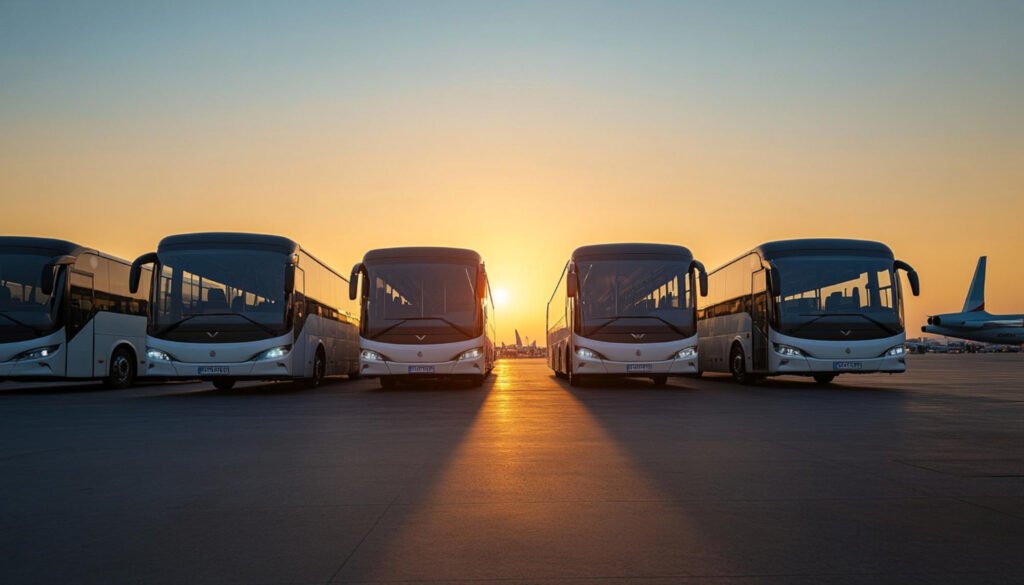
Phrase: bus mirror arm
(46, 284)
(136, 272)
(702, 276)
(353, 281)
(915, 281)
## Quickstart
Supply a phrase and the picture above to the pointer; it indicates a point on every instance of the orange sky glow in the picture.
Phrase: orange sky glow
(519, 141)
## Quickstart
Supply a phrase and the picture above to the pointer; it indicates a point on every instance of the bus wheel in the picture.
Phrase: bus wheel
(575, 379)
(223, 384)
(122, 369)
(660, 380)
(824, 378)
(738, 366)
(319, 369)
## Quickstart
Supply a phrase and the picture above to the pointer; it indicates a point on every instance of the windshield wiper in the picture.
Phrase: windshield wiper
(175, 325)
(817, 316)
(610, 320)
(442, 319)
(21, 323)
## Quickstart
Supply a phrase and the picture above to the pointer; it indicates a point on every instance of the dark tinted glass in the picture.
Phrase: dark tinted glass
(439, 298)
(820, 293)
(25, 312)
(224, 289)
(641, 295)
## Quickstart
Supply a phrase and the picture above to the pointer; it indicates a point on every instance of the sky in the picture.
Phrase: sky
(524, 130)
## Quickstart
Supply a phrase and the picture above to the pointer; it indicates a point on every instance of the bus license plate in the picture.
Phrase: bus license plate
(421, 369)
(847, 366)
(213, 371)
(638, 367)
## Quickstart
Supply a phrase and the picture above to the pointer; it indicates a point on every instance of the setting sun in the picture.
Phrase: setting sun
(500, 296)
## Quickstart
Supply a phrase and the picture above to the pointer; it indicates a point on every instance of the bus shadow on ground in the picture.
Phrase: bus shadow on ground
(840, 384)
(623, 384)
(429, 386)
(284, 388)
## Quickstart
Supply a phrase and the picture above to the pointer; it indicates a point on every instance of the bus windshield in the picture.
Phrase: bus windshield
(220, 295)
(25, 312)
(626, 298)
(423, 302)
(840, 297)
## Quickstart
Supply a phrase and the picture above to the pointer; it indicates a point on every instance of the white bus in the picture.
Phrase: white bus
(814, 307)
(66, 314)
(626, 310)
(426, 313)
(228, 307)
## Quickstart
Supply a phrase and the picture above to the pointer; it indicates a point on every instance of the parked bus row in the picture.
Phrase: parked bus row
(225, 307)
(810, 307)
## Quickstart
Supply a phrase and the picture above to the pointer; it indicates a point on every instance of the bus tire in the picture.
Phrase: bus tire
(121, 373)
(824, 378)
(738, 366)
(319, 369)
(224, 384)
(575, 380)
(660, 380)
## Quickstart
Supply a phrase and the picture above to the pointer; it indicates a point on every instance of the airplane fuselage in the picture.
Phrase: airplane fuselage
(978, 326)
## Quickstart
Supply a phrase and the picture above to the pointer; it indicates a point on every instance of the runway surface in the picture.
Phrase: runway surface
(917, 478)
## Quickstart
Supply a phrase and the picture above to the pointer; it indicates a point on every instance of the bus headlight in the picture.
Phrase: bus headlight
(588, 354)
(471, 354)
(37, 353)
(686, 353)
(274, 353)
(788, 351)
(896, 351)
(371, 356)
(155, 355)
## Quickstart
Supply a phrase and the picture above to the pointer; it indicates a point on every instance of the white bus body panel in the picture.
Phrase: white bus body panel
(53, 365)
(439, 355)
(827, 353)
(112, 330)
(621, 355)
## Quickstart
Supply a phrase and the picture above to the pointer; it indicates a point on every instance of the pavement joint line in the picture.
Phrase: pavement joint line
(376, 522)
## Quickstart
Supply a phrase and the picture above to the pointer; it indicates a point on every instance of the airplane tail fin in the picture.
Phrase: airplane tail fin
(519, 341)
(976, 295)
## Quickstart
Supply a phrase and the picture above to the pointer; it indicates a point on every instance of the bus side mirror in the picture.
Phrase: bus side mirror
(915, 282)
(50, 272)
(136, 272)
(571, 284)
(702, 277)
(353, 281)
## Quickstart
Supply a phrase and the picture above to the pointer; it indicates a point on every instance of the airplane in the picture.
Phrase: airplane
(974, 323)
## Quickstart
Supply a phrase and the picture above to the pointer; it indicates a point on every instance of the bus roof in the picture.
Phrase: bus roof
(229, 239)
(821, 247)
(421, 253)
(49, 246)
(631, 250)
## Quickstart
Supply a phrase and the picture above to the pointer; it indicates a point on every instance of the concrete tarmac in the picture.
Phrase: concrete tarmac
(916, 478)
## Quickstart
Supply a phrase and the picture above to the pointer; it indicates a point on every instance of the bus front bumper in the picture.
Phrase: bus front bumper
(614, 368)
(262, 369)
(51, 366)
(425, 369)
(853, 365)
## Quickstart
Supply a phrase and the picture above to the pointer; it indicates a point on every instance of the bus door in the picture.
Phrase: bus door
(759, 320)
(80, 333)
(301, 308)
